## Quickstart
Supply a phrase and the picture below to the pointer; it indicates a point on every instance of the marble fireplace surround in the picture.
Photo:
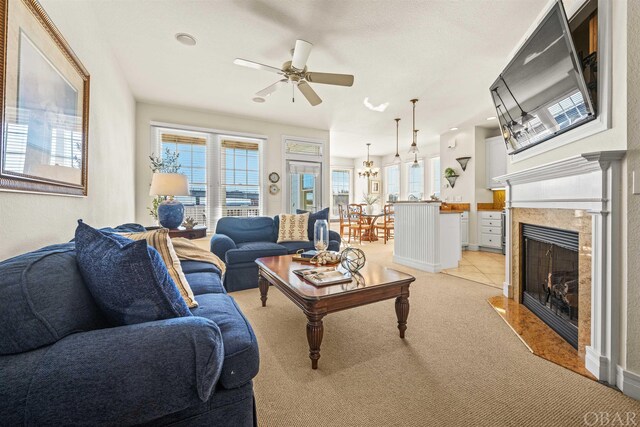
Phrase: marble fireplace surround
(565, 219)
(580, 193)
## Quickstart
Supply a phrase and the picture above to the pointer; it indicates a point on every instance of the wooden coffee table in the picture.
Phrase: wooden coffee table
(376, 283)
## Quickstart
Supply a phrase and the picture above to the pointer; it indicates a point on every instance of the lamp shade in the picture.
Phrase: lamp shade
(169, 184)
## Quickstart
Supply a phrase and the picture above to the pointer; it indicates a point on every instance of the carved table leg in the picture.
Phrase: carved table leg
(402, 311)
(264, 288)
(315, 330)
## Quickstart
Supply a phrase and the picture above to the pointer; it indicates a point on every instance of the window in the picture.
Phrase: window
(415, 180)
(192, 148)
(340, 189)
(435, 176)
(392, 183)
(240, 193)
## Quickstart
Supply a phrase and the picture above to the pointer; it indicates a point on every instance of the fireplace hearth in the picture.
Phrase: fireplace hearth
(550, 278)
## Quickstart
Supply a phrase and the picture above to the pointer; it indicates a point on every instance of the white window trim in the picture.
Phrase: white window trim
(325, 181)
(605, 60)
(213, 160)
(351, 170)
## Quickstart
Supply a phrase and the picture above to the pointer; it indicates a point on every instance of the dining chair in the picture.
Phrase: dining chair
(344, 218)
(357, 222)
(388, 222)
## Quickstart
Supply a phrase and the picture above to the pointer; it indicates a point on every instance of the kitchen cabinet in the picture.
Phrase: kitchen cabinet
(495, 161)
(490, 229)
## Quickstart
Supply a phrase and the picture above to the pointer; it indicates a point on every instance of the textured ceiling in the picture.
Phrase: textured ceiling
(446, 53)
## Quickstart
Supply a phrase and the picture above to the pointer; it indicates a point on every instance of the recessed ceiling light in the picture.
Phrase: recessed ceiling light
(258, 99)
(491, 118)
(186, 39)
(453, 129)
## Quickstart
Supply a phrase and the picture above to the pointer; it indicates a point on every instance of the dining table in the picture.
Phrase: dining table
(369, 234)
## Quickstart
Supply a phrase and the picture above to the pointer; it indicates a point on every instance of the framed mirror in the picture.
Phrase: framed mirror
(45, 105)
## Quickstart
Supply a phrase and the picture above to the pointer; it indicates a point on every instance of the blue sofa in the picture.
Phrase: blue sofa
(61, 362)
(240, 241)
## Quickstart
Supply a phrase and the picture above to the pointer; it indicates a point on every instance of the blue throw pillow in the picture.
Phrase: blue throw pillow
(127, 278)
(321, 214)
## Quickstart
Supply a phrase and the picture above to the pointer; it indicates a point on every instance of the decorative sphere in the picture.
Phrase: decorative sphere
(352, 259)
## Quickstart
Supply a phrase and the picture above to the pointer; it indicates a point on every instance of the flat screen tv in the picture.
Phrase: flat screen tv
(542, 92)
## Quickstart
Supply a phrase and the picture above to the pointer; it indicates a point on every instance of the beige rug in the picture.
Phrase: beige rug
(460, 365)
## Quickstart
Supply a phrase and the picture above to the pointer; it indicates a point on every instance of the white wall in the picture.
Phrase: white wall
(632, 224)
(273, 161)
(30, 221)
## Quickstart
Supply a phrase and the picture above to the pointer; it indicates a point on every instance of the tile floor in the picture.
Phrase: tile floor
(483, 267)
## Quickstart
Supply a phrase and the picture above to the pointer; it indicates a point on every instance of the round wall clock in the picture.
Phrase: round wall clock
(273, 189)
(274, 177)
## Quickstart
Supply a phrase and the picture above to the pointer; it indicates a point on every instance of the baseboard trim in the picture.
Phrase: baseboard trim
(507, 290)
(597, 364)
(431, 268)
(628, 382)
(473, 248)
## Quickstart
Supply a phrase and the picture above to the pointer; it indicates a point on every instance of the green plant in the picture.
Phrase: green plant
(167, 163)
(370, 199)
(449, 172)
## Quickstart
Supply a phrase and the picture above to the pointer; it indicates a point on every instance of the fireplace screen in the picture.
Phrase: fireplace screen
(550, 281)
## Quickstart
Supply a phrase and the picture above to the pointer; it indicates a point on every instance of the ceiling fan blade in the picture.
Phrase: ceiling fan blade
(309, 93)
(330, 79)
(301, 54)
(272, 88)
(256, 65)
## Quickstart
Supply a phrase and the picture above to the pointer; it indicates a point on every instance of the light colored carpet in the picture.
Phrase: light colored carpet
(460, 364)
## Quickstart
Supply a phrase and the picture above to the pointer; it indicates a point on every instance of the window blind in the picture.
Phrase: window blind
(415, 188)
(392, 183)
(240, 193)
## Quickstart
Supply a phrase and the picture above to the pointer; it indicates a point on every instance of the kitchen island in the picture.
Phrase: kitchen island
(425, 237)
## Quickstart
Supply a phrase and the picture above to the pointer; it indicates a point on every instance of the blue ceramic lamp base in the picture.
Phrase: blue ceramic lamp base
(170, 213)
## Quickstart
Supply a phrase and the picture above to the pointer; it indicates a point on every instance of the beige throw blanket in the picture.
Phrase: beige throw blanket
(189, 251)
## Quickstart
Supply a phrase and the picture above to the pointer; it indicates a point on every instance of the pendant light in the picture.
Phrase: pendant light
(415, 163)
(369, 171)
(414, 146)
(396, 159)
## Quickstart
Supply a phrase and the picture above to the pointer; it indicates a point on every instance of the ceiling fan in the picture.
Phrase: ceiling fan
(296, 73)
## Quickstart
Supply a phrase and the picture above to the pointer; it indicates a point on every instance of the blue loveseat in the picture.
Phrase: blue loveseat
(62, 363)
(240, 241)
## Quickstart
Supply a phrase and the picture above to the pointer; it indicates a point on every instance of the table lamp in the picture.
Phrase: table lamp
(170, 211)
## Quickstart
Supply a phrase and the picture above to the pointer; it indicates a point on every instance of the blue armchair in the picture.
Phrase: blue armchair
(240, 241)
(62, 363)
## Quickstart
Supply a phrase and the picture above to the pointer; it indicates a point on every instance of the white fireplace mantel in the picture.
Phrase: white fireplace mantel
(591, 182)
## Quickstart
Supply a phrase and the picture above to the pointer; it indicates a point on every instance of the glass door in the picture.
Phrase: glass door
(304, 190)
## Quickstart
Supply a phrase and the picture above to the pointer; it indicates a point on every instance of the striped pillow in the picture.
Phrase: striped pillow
(160, 240)
(293, 228)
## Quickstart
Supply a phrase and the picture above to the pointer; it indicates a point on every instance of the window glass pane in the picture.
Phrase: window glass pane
(340, 188)
(240, 193)
(392, 183)
(415, 188)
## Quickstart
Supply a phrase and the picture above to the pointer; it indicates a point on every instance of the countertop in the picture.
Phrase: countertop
(489, 210)
(449, 211)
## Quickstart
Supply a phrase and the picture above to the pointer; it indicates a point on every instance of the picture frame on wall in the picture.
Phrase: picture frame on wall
(45, 105)
(374, 186)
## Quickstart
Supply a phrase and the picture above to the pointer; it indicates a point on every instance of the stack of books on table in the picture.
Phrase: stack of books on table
(323, 276)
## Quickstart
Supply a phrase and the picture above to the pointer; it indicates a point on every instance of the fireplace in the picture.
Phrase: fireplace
(550, 278)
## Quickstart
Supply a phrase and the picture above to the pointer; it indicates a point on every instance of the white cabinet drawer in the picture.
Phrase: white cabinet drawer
(492, 230)
(491, 223)
(490, 215)
(490, 240)
(464, 215)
